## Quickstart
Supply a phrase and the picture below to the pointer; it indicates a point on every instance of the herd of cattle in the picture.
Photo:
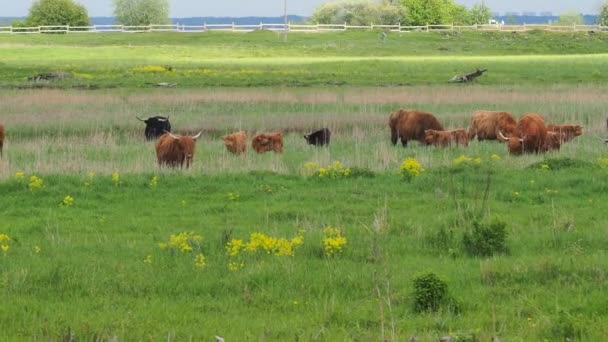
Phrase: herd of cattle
(526, 135)
(529, 134)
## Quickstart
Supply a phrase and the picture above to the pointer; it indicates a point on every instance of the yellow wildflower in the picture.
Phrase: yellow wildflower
(154, 182)
(4, 238)
(495, 157)
(37, 249)
(148, 259)
(5, 248)
(200, 261)
(333, 241)
(68, 201)
(410, 169)
(19, 175)
(35, 183)
(116, 178)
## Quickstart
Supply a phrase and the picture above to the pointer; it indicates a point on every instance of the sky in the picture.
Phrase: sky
(241, 8)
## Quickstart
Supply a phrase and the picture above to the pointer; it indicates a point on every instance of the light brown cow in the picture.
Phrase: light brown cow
(1, 139)
(268, 142)
(236, 142)
(172, 150)
(486, 125)
(530, 135)
(446, 138)
(567, 132)
(410, 124)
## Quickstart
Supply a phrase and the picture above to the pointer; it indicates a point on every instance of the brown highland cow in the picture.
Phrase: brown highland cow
(268, 142)
(173, 150)
(410, 124)
(485, 125)
(236, 142)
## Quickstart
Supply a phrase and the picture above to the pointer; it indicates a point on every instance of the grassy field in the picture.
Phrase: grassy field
(89, 252)
(264, 59)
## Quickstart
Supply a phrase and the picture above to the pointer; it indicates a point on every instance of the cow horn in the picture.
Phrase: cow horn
(172, 136)
(139, 118)
(197, 136)
(502, 136)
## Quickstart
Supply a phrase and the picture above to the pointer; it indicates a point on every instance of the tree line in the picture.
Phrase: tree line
(69, 12)
(421, 12)
(351, 12)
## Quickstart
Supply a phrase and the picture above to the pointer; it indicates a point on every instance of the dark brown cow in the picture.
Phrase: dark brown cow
(1, 139)
(486, 124)
(410, 124)
(530, 135)
(173, 150)
(268, 142)
(567, 132)
(446, 138)
(236, 142)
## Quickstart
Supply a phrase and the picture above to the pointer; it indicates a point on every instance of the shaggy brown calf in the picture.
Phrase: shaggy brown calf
(410, 124)
(530, 135)
(553, 141)
(446, 138)
(173, 150)
(268, 142)
(486, 124)
(1, 139)
(567, 132)
(236, 142)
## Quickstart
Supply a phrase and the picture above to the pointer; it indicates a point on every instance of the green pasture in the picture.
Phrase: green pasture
(82, 267)
(264, 59)
(83, 257)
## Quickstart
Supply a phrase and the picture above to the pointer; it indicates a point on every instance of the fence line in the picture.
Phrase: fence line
(294, 28)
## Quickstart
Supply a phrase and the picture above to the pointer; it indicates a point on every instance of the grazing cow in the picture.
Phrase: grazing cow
(173, 150)
(486, 125)
(446, 138)
(236, 142)
(553, 141)
(1, 139)
(567, 132)
(318, 138)
(268, 142)
(530, 135)
(410, 124)
(156, 126)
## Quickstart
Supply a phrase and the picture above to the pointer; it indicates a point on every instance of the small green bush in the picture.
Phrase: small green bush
(486, 239)
(430, 292)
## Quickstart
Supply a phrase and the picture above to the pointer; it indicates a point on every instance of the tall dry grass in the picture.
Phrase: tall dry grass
(56, 131)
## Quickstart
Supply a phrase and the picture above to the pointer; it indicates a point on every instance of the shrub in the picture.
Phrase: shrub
(57, 12)
(486, 239)
(430, 292)
(141, 12)
(358, 13)
(410, 169)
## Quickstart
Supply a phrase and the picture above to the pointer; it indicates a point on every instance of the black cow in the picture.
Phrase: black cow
(318, 138)
(156, 126)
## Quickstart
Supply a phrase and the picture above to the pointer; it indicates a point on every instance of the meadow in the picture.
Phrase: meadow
(101, 244)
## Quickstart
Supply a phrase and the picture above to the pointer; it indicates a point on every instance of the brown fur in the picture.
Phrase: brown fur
(173, 150)
(1, 139)
(410, 124)
(446, 138)
(553, 141)
(268, 142)
(530, 135)
(486, 125)
(567, 132)
(236, 142)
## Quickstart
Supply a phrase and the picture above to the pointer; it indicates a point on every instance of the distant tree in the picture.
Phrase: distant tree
(358, 13)
(602, 18)
(57, 12)
(570, 17)
(479, 14)
(422, 12)
(141, 12)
